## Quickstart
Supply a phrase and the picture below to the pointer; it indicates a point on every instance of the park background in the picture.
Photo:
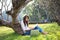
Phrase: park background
(45, 13)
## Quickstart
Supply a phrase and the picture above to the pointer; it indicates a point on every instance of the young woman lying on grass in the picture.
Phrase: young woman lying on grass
(26, 29)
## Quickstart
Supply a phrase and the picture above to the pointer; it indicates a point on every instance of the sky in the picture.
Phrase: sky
(5, 4)
(9, 4)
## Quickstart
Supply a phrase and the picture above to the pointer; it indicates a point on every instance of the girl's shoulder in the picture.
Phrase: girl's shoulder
(21, 21)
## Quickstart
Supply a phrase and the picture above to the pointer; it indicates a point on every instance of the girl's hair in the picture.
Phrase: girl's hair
(24, 20)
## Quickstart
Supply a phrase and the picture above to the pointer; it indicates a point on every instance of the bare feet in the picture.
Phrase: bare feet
(44, 33)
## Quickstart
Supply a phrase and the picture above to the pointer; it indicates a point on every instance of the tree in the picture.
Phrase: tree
(52, 7)
(15, 25)
(55, 9)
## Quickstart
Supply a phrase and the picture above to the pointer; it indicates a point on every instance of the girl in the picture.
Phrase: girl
(26, 29)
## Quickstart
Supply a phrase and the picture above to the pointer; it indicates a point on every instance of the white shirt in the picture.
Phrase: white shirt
(24, 27)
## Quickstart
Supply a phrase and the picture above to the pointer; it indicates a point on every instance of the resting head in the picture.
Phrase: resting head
(26, 19)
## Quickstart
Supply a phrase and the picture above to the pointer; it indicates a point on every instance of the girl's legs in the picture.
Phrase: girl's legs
(40, 29)
(28, 32)
(36, 28)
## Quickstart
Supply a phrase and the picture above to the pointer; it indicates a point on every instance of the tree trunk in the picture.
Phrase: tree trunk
(17, 5)
(15, 25)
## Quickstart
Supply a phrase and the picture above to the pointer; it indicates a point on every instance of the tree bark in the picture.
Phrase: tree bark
(15, 25)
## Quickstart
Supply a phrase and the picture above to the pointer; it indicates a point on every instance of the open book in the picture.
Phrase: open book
(34, 26)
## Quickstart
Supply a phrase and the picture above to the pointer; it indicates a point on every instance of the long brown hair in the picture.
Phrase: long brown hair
(24, 20)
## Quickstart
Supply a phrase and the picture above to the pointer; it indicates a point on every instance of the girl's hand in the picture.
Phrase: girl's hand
(31, 28)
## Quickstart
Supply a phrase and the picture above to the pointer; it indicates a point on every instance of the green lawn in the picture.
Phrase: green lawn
(52, 28)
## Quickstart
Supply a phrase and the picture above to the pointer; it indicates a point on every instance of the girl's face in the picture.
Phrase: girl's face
(27, 19)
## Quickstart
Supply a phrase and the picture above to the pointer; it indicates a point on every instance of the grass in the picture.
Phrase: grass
(52, 28)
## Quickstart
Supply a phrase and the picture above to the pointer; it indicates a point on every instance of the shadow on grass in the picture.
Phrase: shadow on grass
(10, 36)
(14, 36)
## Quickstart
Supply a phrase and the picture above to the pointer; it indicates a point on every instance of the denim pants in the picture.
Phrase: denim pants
(36, 28)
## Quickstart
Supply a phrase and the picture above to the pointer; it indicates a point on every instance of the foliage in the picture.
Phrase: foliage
(39, 11)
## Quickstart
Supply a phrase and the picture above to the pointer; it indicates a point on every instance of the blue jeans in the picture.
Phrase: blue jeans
(36, 28)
